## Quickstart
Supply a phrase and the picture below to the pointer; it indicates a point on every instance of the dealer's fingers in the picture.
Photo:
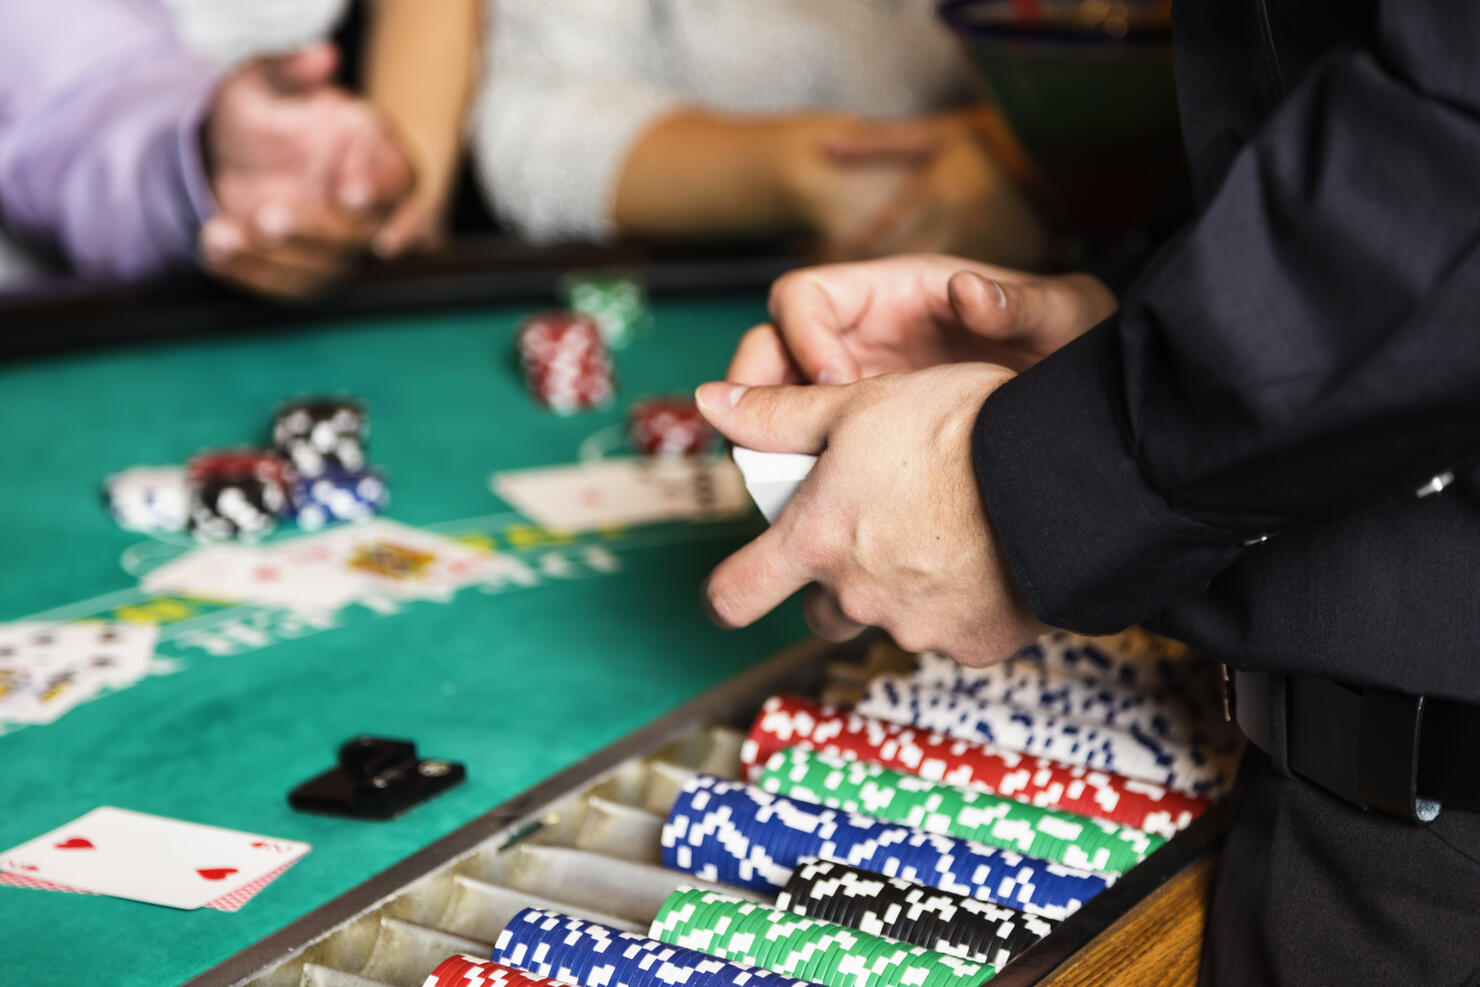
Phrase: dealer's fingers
(771, 419)
(1008, 309)
(810, 324)
(826, 617)
(762, 359)
(753, 581)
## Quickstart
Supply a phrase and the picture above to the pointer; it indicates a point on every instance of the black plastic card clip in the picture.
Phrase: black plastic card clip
(376, 779)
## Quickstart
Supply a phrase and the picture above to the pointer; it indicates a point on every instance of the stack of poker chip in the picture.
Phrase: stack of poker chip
(237, 494)
(911, 912)
(668, 426)
(471, 971)
(1151, 704)
(1190, 767)
(802, 947)
(325, 439)
(618, 305)
(575, 951)
(788, 721)
(856, 786)
(152, 499)
(565, 362)
(740, 835)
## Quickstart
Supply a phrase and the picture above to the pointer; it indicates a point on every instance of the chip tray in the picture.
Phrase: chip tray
(586, 843)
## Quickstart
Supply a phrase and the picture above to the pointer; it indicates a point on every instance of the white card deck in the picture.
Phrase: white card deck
(772, 478)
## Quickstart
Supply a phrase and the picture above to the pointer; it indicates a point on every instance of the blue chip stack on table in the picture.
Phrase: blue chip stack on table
(325, 441)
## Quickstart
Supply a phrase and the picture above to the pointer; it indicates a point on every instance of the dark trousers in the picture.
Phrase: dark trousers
(1312, 890)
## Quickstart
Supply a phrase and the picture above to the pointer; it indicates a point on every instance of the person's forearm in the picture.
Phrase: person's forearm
(421, 61)
(700, 171)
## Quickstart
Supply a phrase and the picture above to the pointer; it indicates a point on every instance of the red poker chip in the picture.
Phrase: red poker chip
(668, 426)
(566, 364)
(788, 721)
(471, 971)
(233, 464)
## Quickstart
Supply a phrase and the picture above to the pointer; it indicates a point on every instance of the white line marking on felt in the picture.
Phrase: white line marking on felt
(600, 442)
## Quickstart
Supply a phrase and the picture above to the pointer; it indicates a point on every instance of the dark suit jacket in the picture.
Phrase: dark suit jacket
(1235, 456)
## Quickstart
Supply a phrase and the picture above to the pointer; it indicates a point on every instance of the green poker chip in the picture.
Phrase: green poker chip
(804, 948)
(617, 303)
(935, 807)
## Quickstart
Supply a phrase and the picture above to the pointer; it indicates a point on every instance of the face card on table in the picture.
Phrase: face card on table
(150, 858)
(625, 491)
(385, 556)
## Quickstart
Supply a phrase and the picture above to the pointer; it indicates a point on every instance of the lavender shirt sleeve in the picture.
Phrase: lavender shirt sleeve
(100, 112)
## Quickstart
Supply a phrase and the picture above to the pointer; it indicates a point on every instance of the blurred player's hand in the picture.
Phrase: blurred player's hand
(304, 174)
(839, 323)
(888, 525)
(838, 198)
(960, 198)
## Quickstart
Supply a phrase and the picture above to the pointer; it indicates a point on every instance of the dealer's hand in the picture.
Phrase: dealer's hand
(842, 322)
(889, 524)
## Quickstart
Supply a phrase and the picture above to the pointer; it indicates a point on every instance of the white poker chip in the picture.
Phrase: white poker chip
(151, 499)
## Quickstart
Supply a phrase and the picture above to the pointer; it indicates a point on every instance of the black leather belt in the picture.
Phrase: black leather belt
(1407, 756)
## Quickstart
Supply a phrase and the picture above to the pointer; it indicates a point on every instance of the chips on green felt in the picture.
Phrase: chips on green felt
(618, 304)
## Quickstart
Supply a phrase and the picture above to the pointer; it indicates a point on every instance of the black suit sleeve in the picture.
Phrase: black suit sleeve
(1308, 346)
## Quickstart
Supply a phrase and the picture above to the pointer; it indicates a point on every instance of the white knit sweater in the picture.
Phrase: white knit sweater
(571, 84)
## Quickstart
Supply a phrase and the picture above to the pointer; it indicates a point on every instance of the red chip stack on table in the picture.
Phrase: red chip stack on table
(565, 362)
(787, 721)
(470, 971)
(237, 493)
(668, 426)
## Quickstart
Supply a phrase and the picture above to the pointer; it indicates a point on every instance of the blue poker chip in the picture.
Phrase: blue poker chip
(740, 835)
(338, 495)
(575, 951)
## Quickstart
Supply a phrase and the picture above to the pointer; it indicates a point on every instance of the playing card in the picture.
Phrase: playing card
(254, 574)
(232, 901)
(604, 492)
(48, 668)
(152, 859)
(384, 556)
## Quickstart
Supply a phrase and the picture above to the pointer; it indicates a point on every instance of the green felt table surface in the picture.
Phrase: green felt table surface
(515, 681)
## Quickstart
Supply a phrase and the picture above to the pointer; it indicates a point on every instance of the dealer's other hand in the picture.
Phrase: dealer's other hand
(839, 323)
(889, 524)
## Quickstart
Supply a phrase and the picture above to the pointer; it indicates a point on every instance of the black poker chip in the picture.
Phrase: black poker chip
(322, 435)
(910, 912)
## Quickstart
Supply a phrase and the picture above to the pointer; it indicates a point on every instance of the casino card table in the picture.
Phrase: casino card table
(518, 681)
